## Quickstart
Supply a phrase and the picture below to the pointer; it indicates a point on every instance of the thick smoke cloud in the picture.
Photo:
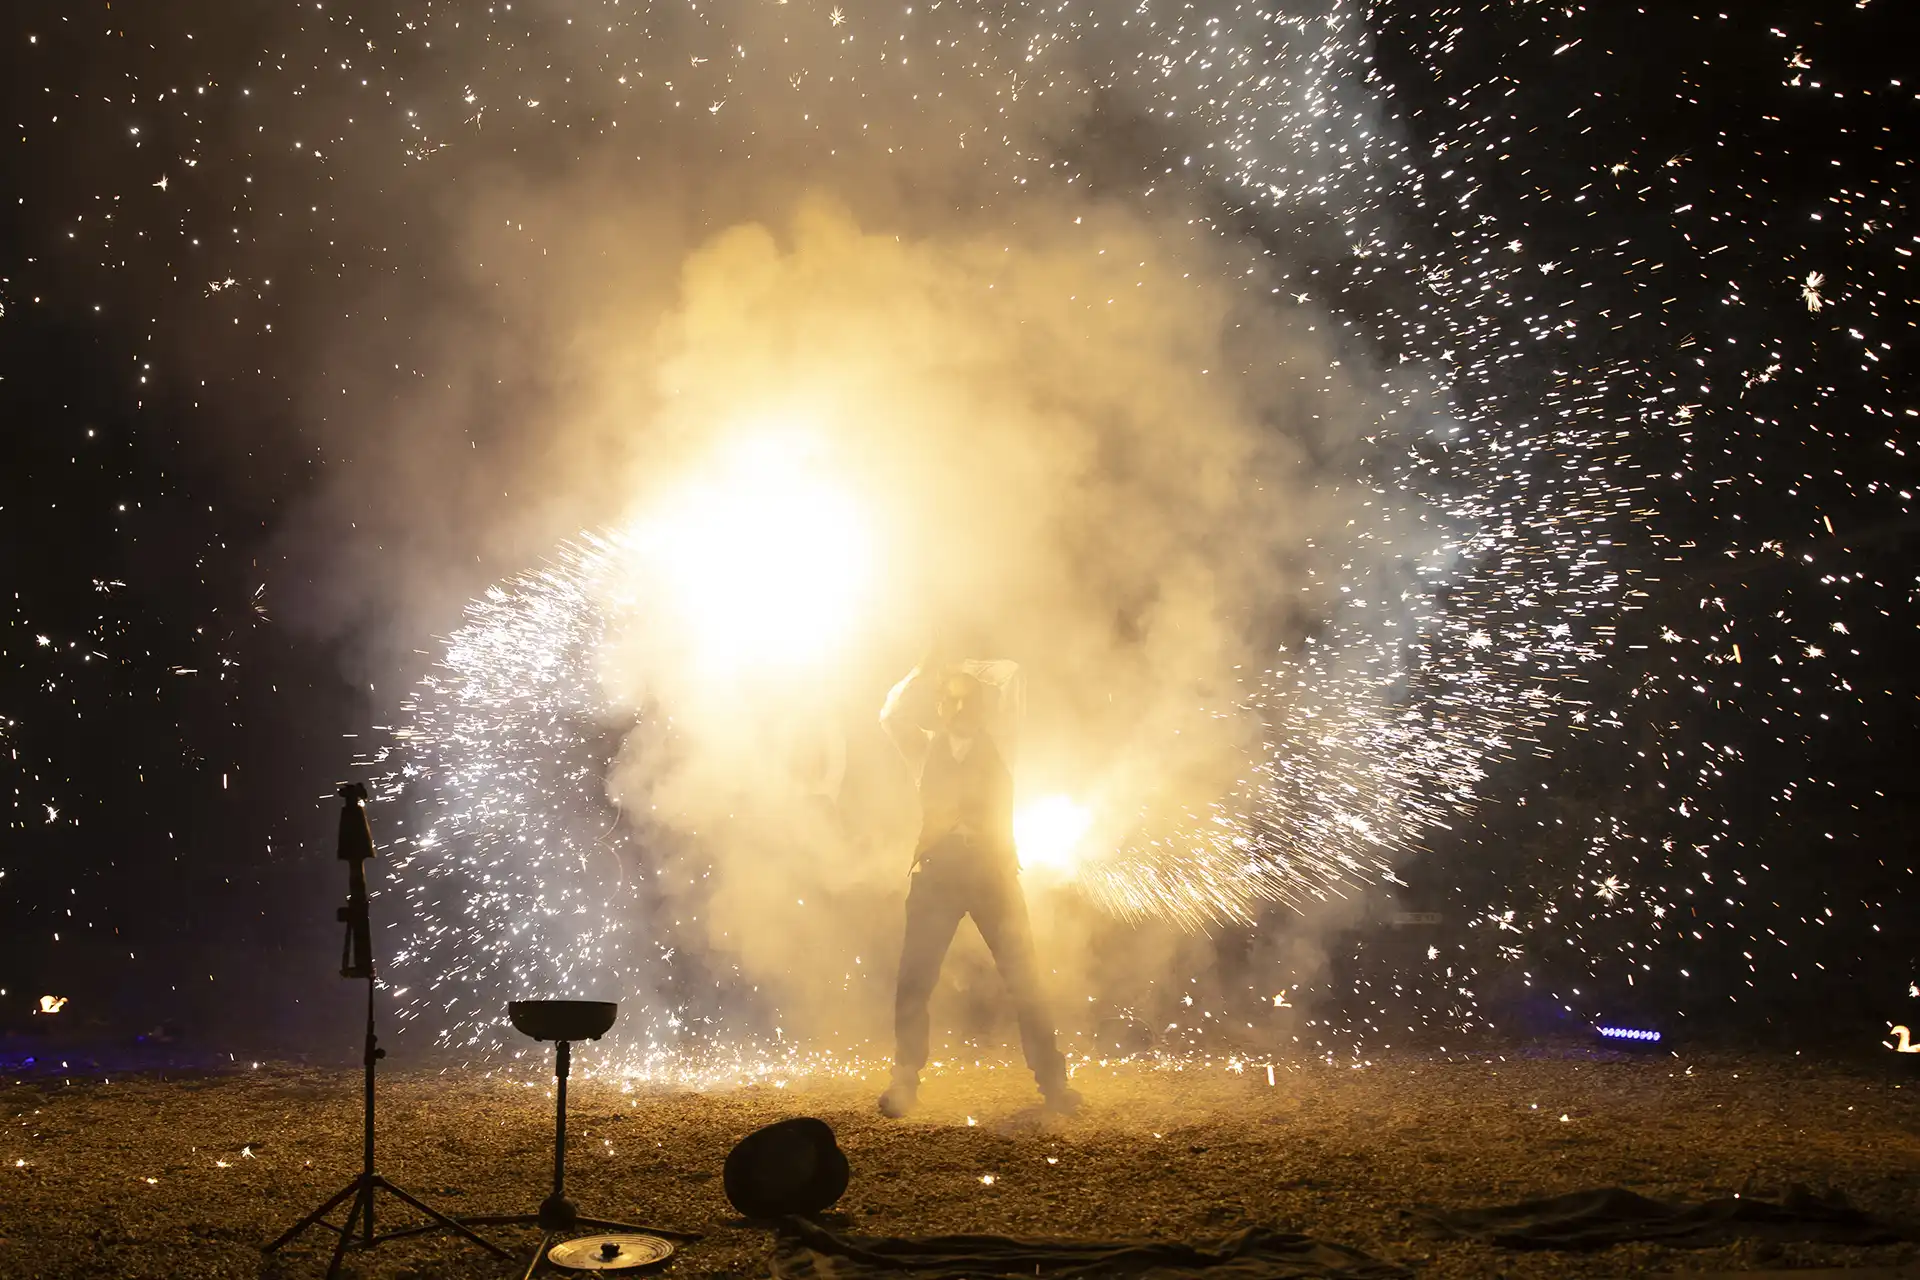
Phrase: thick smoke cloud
(1070, 447)
(1082, 423)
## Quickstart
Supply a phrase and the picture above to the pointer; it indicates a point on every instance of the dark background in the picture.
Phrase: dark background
(167, 756)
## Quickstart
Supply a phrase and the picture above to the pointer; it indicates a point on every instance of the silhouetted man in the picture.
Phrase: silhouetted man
(964, 865)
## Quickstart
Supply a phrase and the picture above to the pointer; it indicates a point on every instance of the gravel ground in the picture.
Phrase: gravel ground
(188, 1174)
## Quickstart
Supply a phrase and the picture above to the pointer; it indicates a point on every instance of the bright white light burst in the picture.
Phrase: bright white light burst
(765, 557)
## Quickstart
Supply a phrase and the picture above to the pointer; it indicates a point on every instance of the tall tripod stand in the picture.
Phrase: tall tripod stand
(356, 961)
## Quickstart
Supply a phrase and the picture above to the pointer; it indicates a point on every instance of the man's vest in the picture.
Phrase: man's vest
(972, 798)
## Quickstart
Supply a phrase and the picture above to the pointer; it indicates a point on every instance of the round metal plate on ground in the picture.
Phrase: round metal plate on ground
(621, 1252)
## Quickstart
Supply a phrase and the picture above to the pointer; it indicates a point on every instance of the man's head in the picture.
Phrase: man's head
(962, 706)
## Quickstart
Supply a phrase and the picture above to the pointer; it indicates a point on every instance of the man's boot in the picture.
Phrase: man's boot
(1060, 1097)
(902, 1096)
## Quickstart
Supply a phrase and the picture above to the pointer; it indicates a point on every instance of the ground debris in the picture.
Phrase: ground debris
(164, 1177)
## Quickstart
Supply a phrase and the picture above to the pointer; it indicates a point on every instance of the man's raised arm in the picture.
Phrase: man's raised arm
(908, 707)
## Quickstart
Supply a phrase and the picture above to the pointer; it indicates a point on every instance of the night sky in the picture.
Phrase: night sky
(225, 273)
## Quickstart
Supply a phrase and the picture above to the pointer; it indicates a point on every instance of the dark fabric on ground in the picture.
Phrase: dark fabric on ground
(1612, 1215)
(805, 1251)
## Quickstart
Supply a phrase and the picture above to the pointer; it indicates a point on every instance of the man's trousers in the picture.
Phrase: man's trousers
(957, 879)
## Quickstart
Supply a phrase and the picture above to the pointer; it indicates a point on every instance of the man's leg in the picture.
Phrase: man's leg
(933, 913)
(1000, 911)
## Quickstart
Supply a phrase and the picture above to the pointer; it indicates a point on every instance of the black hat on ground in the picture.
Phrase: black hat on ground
(790, 1167)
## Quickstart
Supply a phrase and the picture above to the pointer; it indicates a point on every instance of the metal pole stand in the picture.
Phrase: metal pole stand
(356, 846)
(559, 1216)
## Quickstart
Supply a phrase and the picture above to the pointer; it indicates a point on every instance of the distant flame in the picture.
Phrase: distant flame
(1048, 833)
(52, 1004)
